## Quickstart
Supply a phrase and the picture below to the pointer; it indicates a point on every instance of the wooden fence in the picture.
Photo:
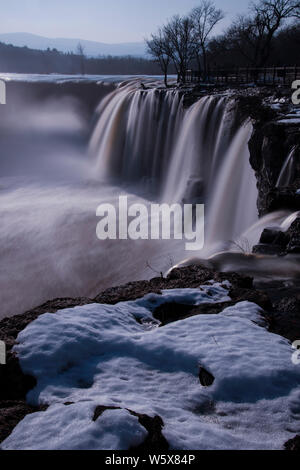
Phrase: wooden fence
(247, 75)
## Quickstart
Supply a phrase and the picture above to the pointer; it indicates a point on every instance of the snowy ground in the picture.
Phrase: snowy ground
(101, 355)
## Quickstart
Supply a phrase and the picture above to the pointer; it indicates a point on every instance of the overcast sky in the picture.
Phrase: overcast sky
(110, 21)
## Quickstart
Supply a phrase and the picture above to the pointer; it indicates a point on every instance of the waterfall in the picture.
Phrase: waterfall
(232, 208)
(195, 154)
(134, 134)
(288, 170)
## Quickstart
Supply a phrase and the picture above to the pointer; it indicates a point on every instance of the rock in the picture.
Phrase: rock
(274, 242)
(206, 378)
(274, 237)
(281, 239)
(293, 444)
(283, 316)
(270, 145)
(185, 277)
(172, 312)
(293, 249)
(268, 236)
(281, 198)
(289, 305)
(100, 410)
(264, 249)
(254, 107)
(11, 413)
(155, 441)
(258, 297)
(294, 237)
(286, 324)
(14, 383)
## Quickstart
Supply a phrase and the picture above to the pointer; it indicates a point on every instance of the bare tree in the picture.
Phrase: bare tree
(204, 19)
(80, 53)
(270, 15)
(253, 36)
(180, 40)
(245, 36)
(159, 49)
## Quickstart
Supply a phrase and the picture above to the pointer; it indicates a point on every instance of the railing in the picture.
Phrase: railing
(247, 75)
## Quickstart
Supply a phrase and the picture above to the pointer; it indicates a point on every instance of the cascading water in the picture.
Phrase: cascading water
(144, 137)
(134, 133)
(233, 199)
(288, 170)
(193, 155)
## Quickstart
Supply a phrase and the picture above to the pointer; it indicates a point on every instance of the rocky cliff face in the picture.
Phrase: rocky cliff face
(275, 157)
(270, 147)
(275, 138)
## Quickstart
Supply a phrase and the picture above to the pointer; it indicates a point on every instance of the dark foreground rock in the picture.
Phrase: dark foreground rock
(293, 444)
(276, 242)
(206, 379)
(284, 316)
(180, 278)
(14, 384)
(270, 145)
(11, 413)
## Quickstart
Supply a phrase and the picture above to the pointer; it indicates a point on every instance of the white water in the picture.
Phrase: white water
(288, 170)
(195, 154)
(50, 188)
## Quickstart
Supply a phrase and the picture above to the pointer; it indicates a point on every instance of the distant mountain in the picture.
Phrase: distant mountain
(91, 48)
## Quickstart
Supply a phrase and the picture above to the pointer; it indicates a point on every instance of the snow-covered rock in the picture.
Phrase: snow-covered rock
(117, 356)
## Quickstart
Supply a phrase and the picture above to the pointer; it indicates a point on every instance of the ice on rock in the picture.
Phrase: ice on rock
(101, 355)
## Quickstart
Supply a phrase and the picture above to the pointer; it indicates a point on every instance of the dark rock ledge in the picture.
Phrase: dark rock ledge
(293, 444)
(15, 385)
(155, 441)
(275, 242)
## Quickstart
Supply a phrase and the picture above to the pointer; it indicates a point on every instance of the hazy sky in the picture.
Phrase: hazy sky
(99, 20)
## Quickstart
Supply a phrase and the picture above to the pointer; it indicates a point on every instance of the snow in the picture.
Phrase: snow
(73, 427)
(101, 355)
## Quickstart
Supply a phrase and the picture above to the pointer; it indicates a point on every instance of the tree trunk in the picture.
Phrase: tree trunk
(166, 78)
(199, 64)
(204, 63)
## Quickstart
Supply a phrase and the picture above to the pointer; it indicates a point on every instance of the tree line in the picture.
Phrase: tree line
(25, 60)
(269, 33)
